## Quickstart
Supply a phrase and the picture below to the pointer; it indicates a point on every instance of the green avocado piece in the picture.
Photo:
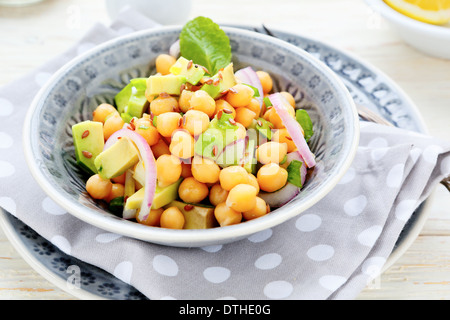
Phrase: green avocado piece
(264, 127)
(163, 196)
(122, 98)
(191, 71)
(169, 83)
(118, 158)
(227, 80)
(196, 217)
(220, 133)
(89, 142)
(249, 157)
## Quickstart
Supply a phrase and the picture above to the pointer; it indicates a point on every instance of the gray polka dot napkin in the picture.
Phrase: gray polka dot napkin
(331, 251)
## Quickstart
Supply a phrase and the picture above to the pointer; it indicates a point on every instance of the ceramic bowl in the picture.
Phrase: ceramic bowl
(430, 39)
(95, 77)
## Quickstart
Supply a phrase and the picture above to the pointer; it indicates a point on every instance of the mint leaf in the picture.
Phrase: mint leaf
(294, 175)
(203, 42)
(305, 121)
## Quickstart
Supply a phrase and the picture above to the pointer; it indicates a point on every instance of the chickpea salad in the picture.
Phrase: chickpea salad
(197, 144)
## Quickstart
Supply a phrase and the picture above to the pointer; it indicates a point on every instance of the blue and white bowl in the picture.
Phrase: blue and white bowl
(96, 76)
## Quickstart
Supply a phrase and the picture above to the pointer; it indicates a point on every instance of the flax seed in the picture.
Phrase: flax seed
(87, 154)
(85, 134)
(189, 64)
(188, 207)
(231, 120)
(227, 111)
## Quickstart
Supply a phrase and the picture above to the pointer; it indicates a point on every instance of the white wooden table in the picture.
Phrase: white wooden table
(32, 35)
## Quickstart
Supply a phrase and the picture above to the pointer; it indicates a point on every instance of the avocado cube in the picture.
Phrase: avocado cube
(88, 141)
(170, 84)
(196, 216)
(115, 160)
(163, 196)
(122, 98)
(135, 200)
(227, 80)
(191, 71)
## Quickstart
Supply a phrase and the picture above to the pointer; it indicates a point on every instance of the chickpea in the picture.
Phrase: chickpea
(271, 177)
(196, 122)
(226, 216)
(202, 101)
(217, 194)
(163, 63)
(167, 123)
(117, 190)
(113, 123)
(289, 98)
(163, 104)
(271, 152)
(172, 218)
(245, 116)
(192, 191)
(253, 182)
(232, 176)
(102, 111)
(282, 136)
(120, 179)
(242, 198)
(205, 170)
(160, 148)
(184, 101)
(258, 211)
(266, 81)
(222, 104)
(239, 95)
(97, 187)
(153, 218)
(145, 128)
(254, 106)
(168, 169)
(182, 144)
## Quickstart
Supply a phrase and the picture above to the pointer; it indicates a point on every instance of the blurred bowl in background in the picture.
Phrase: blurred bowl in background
(167, 12)
(430, 39)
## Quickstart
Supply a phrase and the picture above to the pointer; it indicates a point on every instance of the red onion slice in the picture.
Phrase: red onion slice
(281, 197)
(249, 76)
(149, 163)
(293, 128)
(174, 49)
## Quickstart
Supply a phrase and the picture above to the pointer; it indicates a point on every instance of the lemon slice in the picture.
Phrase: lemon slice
(429, 11)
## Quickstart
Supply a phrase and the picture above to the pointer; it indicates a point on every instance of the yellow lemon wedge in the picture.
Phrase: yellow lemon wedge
(429, 11)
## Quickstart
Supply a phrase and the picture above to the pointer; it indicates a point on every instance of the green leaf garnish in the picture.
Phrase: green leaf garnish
(294, 175)
(304, 120)
(203, 42)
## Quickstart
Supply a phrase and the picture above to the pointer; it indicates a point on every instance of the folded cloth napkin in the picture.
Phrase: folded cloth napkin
(331, 251)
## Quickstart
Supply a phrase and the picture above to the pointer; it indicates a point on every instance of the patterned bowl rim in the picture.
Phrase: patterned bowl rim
(188, 238)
